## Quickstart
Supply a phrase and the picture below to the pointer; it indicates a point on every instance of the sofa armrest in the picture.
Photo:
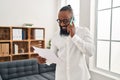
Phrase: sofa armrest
(46, 68)
(0, 77)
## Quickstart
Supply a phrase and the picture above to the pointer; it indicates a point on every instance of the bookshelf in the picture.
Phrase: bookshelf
(16, 42)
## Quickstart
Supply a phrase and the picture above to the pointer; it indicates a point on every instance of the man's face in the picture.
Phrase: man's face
(64, 18)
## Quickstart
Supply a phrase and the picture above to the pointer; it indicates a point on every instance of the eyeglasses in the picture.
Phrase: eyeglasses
(65, 21)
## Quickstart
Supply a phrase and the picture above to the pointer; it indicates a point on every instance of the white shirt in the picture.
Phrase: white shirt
(71, 53)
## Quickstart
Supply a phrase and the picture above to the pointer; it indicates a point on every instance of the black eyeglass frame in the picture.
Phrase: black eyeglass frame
(65, 21)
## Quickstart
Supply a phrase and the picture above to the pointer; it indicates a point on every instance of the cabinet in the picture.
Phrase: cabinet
(16, 42)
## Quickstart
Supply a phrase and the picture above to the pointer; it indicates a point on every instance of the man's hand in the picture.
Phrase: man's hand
(41, 60)
(71, 29)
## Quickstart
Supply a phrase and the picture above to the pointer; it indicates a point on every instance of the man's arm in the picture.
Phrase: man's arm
(84, 41)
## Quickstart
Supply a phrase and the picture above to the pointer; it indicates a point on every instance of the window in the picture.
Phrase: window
(108, 35)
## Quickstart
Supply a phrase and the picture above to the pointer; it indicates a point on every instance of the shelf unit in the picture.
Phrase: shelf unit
(16, 42)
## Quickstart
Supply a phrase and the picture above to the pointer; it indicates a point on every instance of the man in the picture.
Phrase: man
(71, 45)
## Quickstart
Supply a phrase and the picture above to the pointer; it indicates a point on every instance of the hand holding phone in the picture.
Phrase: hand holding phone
(71, 21)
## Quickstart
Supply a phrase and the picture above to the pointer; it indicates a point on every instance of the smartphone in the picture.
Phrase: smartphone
(71, 21)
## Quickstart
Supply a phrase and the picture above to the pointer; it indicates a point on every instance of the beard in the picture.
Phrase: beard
(63, 31)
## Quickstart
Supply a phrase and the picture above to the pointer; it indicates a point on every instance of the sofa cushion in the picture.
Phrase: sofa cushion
(31, 77)
(18, 68)
(43, 68)
(49, 75)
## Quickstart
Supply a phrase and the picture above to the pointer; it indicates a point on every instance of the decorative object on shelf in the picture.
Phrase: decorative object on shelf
(22, 50)
(49, 44)
(27, 25)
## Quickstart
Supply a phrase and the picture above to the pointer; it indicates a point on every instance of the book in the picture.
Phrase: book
(5, 48)
(38, 34)
(48, 54)
(15, 49)
(23, 35)
(17, 34)
(0, 49)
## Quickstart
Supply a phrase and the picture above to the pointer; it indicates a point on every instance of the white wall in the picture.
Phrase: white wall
(42, 13)
(85, 13)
